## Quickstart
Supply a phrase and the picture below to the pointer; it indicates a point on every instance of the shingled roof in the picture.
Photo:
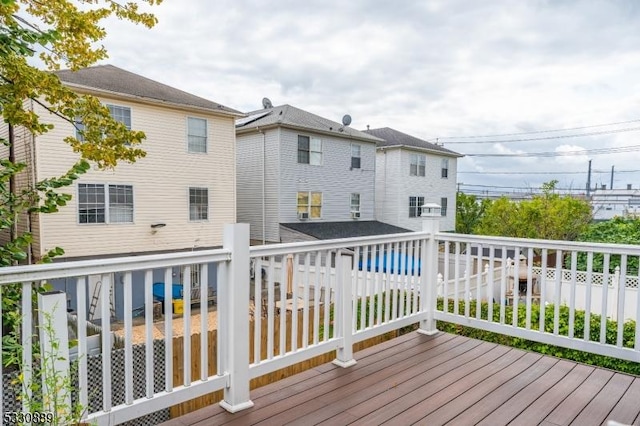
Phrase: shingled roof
(289, 116)
(331, 230)
(393, 138)
(110, 78)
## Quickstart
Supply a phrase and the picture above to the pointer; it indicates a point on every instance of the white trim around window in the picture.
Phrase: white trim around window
(197, 135)
(417, 165)
(104, 203)
(444, 168)
(309, 202)
(415, 206)
(198, 202)
(121, 113)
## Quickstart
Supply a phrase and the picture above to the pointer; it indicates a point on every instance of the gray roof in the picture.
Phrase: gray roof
(331, 230)
(394, 138)
(113, 79)
(289, 116)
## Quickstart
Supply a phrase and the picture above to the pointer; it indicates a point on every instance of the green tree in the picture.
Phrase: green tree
(619, 230)
(65, 33)
(469, 211)
(549, 216)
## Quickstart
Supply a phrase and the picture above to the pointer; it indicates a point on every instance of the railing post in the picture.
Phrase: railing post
(235, 341)
(54, 346)
(429, 280)
(344, 311)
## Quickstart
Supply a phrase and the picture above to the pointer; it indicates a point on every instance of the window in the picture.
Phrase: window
(121, 114)
(195, 274)
(310, 203)
(418, 165)
(79, 125)
(197, 134)
(309, 151)
(415, 206)
(355, 202)
(445, 168)
(98, 203)
(355, 156)
(198, 204)
(120, 204)
(443, 206)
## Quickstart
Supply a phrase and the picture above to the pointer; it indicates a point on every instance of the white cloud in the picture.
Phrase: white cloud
(431, 69)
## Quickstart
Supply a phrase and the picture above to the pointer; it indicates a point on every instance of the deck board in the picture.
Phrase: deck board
(443, 379)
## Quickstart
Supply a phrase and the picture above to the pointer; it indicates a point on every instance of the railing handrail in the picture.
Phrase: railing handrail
(22, 273)
(334, 244)
(585, 246)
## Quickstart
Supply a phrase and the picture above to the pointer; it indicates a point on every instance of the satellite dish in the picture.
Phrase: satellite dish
(346, 120)
(266, 103)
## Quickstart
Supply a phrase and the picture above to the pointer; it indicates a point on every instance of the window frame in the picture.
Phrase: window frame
(415, 205)
(443, 206)
(106, 205)
(312, 152)
(113, 107)
(356, 158)
(444, 168)
(190, 205)
(419, 161)
(357, 205)
(309, 206)
(191, 146)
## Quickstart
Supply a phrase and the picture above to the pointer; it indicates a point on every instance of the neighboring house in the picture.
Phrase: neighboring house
(608, 203)
(297, 167)
(409, 173)
(176, 198)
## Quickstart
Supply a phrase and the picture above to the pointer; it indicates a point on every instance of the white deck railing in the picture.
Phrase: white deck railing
(332, 294)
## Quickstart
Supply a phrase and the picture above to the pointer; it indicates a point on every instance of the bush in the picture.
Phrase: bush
(628, 336)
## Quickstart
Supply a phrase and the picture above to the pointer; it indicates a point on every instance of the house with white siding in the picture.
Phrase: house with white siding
(300, 176)
(178, 197)
(409, 173)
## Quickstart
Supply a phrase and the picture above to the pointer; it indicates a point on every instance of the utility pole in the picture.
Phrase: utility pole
(611, 186)
(589, 181)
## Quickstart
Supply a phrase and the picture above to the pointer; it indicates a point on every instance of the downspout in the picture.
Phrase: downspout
(13, 232)
(264, 211)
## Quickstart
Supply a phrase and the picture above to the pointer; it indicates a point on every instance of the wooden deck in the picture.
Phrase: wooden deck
(444, 379)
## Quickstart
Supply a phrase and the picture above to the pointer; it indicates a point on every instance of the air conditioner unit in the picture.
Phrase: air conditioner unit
(355, 215)
(303, 216)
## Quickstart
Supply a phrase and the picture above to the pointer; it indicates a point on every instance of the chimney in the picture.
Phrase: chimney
(603, 186)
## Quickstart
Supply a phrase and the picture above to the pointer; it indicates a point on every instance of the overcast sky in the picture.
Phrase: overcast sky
(433, 69)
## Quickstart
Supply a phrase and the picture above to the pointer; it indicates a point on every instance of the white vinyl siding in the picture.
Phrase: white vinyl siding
(258, 168)
(334, 179)
(198, 204)
(197, 134)
(393, 188)
(99, 203)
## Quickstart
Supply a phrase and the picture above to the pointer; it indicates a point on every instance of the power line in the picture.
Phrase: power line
(577, 135)
(597, 151)
(532, 132)
(546, 173)
(524, 188)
